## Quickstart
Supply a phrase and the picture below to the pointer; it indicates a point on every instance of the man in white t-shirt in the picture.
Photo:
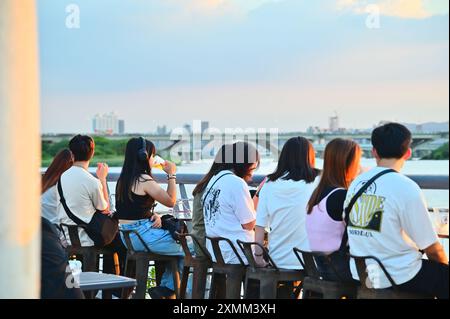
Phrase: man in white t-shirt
(84, 193)
(390, 221)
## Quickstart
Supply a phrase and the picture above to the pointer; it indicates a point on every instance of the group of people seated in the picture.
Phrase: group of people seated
(298, 206)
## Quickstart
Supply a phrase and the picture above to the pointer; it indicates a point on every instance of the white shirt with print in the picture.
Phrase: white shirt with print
(84, 196)
(390, 221)
(282, 208)
(226, 207)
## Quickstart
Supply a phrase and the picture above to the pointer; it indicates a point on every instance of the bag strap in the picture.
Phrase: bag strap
(348, 209)
(74, 218)
(209, 190)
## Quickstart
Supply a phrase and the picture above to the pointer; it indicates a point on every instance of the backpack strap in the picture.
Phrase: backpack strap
(74, 218)
(361, 191)
(209, 190)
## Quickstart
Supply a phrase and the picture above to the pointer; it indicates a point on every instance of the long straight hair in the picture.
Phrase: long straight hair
(296, 162)
(339, 157)
(61, 163)
(238, 157)
(133, 168)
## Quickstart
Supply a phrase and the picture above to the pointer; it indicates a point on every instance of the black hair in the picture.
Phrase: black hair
(133, 168)
(82, 147)
(391, 140)
(296, 161)
(238, 157)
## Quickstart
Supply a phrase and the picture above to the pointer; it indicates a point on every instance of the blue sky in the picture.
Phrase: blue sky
(243, 63)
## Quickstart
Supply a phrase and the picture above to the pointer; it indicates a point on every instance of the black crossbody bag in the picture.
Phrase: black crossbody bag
(102, 229)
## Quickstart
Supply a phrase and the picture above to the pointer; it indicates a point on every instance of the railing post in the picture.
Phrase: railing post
(20, 151)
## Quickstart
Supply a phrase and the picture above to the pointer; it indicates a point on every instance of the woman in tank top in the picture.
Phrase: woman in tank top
(325, 221)
(136, 194)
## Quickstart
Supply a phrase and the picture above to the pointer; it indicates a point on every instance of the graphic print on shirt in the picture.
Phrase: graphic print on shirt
(212, 207)
(367, 213)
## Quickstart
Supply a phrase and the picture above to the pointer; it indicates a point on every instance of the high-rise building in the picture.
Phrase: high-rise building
(121, 127)
(161, 130)
(108, 124)
(205, 126)
(188, 128)
(334, 123)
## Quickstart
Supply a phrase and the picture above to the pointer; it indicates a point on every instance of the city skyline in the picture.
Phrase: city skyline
(261, 63)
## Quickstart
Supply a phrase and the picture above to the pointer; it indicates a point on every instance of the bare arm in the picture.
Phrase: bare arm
(259, 238)
(169, 197)
(436, 253)
(105, 194)
(249, 226)
(102, 173)
(166, 197)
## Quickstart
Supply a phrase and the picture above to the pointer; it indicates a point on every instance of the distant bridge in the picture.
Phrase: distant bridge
(196, 146)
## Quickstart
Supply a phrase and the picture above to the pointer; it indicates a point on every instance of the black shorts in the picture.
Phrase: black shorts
(432, 280)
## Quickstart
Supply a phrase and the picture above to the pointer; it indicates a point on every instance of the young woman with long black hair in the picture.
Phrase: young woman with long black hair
(136, 194)
(222, 198)
(282, 203)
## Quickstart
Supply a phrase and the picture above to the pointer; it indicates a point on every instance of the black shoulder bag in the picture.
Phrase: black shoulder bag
(102, 229)
(361, 191)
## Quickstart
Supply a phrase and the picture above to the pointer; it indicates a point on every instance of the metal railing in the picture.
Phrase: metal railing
(433, 182)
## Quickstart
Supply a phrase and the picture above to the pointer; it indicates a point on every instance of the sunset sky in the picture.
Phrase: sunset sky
(287, 64)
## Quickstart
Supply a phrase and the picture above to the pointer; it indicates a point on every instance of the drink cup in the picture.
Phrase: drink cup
(158, 162)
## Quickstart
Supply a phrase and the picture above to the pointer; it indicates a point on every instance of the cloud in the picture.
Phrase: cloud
(407, 9)
(218, 7)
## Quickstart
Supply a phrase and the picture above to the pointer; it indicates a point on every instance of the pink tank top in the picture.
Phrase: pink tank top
(324, 233)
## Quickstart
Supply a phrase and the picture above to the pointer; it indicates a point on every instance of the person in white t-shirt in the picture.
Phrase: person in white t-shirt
(390, 221)
(84, 193)
(228, 209)
(283, 201)
(49, 198)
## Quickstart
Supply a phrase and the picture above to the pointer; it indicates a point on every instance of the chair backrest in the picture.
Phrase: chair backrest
(128, 243)
(246, 248)
(306, 258)
(186, 249)
(73, 233)
(361, 268)
(215, 243)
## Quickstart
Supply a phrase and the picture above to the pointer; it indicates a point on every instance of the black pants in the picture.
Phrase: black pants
(432, 280)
